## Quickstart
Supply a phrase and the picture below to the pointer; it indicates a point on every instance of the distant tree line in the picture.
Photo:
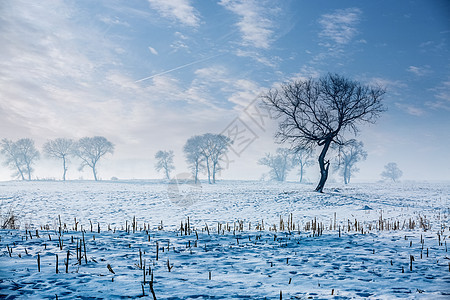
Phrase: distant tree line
(22, 154)
(285, 160)
(204, 153)
(281, 163)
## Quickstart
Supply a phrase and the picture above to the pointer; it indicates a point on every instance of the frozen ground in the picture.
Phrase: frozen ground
(353, 241)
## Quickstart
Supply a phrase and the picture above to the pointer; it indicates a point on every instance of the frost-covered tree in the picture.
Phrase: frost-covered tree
(60, 148)
(302, 157)
(90, 150)
(13, 159)
(219, 149)
(350, 154)
(280, 163)
(213, 147)
(392, 171)
(20, 155)
(164, 161)
(194, 157)
(318, 113)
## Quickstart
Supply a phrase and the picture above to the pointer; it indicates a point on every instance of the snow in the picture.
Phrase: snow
(245, 259)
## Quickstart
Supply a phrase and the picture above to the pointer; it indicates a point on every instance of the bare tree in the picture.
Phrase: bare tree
(350, 154)
(194, 157)
(213, 147)
(91, 149)
(20, 155)
(13, 159)
(164, 161)
(60, 148)
(392, 171)
(220, 147)
(29, 154)
(302, 158)
(319, 112)
(280, 164)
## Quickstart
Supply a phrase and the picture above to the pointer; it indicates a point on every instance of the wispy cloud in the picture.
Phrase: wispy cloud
(113, 21)
(387, 83)
(411, 109)
(443, 91)
(257, 57)
(254, 24)
(442, 95)
(180, 10)
(62, 78)
(340, 26)
(153, 50)
(239, 92)
(419, 71)
(306, 72)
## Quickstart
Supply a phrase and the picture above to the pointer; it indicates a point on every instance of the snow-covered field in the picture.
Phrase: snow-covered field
(245, 240)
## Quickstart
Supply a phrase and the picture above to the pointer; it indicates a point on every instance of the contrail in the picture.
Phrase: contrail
(180, 67)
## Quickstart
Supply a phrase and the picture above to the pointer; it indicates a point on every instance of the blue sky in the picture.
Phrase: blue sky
(149, 74)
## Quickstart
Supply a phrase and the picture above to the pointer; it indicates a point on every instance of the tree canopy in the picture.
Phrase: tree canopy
(91, 149)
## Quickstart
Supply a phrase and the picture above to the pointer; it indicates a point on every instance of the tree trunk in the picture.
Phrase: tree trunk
(324, 166)
(20, 170)
(214, 173)
(301, 172)
(95, 172)
(196, 173)
(345, 174)
(167, 173)
(209, 172)
(65, 169)
(29, 172)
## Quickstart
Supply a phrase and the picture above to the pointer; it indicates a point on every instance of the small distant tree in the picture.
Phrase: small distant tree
(350, 154)
(302, 157)
(213, 147)
(318, 113)
(29, 154)
(90, 150)
(194, 157)
(60, 148)
(13, 159)
(280, 163)
(392, 171)
(220, 148)
(164, 161)
(20, 155)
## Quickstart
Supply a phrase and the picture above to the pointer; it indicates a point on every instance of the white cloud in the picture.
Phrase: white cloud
(180, 10)
(237, 91)
(153, 50)
(419, 71)
(443, 91)
(245, 92)
(110, 21)
(254, 24)
(257, 57)
(387, 83)
(411, 109)
(306, 72)
(341, 25)
(179, 45)
(442, 95)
